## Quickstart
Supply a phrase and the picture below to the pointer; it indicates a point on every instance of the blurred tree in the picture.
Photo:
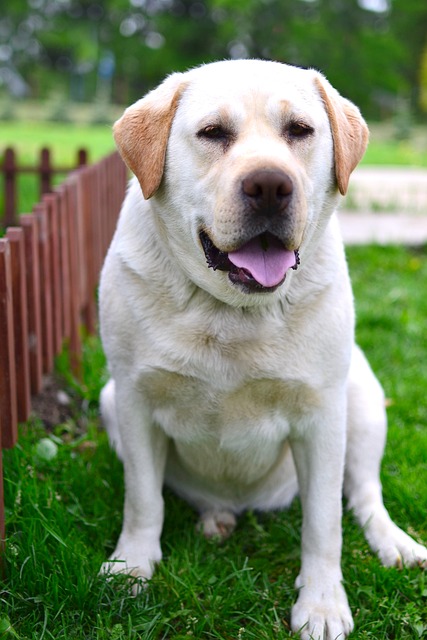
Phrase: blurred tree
(371, 50)
(19, 45)
(353, 46)
(408, 23)
(423, 80)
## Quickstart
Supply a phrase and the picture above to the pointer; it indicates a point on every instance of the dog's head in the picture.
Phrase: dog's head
(244, 161)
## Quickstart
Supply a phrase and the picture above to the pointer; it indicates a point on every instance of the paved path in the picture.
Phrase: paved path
(383, 228)
(386, 206)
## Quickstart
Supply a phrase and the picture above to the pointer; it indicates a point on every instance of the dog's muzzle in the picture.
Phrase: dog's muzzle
(260, 265)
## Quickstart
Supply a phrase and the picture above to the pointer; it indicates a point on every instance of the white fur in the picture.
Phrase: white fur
(241, 400)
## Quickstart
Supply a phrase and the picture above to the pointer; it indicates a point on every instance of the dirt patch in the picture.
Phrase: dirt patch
(55, 405)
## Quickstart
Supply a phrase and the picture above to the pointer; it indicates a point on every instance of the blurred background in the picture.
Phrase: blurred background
(68, 68)
(59, 56)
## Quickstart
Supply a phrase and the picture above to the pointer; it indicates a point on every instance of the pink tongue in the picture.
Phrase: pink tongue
(266, 259)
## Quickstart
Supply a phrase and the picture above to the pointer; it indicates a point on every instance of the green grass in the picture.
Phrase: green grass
(390, 153)
(64, 515)
(27, 138)
(65, 139)
(386, 150)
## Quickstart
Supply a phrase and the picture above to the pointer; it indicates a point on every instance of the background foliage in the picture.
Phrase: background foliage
(373, 51)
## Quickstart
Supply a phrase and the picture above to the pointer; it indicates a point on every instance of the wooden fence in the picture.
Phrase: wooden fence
(45, 170)
(49, 268)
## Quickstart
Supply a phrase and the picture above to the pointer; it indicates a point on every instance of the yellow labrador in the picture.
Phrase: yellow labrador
(227, 319)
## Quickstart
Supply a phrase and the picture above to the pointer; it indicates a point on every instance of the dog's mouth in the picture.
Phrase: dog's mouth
(260, 265)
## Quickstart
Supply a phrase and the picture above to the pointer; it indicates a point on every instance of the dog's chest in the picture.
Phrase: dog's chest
(244, 385)
(190, 410)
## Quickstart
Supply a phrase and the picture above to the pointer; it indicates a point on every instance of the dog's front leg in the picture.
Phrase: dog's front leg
(144, 450)
(321, 611)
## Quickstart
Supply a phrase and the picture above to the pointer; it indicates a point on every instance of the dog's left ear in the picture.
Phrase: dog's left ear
(349, 132)
(142, 132)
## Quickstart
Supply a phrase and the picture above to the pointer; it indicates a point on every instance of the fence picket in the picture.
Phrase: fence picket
(51, 202)
(46, 314)
(9, 171)
(89, 239)
(64, 264)
(8, 417)
(2, 519)
(72, 235)
(15, 236)
(30, 226)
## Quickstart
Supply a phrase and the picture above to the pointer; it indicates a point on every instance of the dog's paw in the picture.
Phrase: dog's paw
(322, 614)
(138, 564)
(217, 524)
(136, 577)
(396, 549)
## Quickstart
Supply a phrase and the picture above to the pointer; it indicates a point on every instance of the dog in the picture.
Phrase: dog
(227, 319)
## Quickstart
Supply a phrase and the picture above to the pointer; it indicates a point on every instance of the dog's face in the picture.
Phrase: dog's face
(243, 161)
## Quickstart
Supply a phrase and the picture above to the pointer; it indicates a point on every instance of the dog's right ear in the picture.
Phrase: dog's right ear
(142, 132)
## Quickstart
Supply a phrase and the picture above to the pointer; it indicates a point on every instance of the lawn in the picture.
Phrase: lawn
(386, 149)
(64, 513)
(64, 501)
(27, 138)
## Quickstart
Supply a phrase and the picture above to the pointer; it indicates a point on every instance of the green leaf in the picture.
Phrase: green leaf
(6, 629)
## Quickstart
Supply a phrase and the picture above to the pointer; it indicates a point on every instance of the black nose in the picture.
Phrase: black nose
(268, 191)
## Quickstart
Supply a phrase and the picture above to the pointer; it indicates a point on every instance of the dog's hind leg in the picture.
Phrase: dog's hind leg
(366, 437)
(107, 403)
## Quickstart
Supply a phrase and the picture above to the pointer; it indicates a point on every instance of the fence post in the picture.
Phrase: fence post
(70, 188)
(2, 522)
(15, 236)
(9, 170)
(45, 169)
(51, 201)
(82, 158)
(45, 286)
(31, 234)
(8, 417)
(89, 309)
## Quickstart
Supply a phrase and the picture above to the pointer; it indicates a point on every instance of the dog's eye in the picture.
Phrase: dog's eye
(299, 130)
(215, 132)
